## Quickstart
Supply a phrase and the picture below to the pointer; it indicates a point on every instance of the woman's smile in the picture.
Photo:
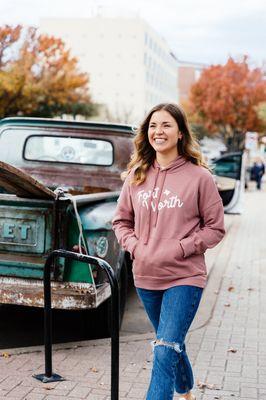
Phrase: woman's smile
(159, 140)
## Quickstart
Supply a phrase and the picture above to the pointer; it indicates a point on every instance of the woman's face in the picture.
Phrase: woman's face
(163, 133)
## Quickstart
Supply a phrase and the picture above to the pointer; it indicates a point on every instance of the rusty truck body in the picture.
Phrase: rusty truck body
(59, 185)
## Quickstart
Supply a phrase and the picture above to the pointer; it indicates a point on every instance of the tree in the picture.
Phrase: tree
(261, 112)
(38, 76)
(225, 100)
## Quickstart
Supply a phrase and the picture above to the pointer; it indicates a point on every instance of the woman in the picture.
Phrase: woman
(169, 212)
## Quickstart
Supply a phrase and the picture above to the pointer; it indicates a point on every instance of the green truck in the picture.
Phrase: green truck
(59, 185)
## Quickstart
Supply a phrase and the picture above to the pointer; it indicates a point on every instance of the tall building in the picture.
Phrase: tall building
(131, 67)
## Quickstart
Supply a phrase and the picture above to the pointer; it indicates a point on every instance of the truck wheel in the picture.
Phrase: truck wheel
(97, 323)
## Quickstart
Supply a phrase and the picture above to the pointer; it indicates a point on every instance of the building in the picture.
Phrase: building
(188, 74)
(130, 66)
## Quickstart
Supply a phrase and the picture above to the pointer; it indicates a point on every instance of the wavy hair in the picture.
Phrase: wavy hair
(144, 154)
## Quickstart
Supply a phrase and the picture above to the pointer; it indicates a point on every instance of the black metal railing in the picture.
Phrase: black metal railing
(49, 376)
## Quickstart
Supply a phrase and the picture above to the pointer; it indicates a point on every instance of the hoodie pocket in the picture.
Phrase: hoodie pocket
(149, 259)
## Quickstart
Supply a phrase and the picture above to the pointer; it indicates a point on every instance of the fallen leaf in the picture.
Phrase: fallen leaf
(202, 385)
(232, 350)
(5, 355)
(231, 288)
(48, 388)
(227, 304)
(94, 369)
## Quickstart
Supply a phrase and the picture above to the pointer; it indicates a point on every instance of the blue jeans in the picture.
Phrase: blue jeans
(171, 313)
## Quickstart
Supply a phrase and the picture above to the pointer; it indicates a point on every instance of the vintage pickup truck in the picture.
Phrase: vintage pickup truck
(59, 184)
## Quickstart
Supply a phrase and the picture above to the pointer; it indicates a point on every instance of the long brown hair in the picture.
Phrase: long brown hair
(144, 154)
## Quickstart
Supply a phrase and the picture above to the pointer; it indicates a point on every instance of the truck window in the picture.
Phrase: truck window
(63, 149)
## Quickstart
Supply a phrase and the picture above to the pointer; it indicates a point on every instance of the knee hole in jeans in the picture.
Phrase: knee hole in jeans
(173, 345)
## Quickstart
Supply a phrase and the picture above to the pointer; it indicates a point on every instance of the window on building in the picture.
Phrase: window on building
(147, 76)
(146, 38)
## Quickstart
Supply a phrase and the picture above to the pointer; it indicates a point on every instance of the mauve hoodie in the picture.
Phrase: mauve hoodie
(168, 222)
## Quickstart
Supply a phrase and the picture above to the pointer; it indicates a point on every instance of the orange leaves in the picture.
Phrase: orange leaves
(225, 97)
(8, 36)
(40, 78)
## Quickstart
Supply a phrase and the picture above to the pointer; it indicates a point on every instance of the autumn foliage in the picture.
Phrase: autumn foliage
(226, 98)
(38, 76)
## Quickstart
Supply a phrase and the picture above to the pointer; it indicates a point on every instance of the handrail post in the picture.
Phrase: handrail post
(48, 376)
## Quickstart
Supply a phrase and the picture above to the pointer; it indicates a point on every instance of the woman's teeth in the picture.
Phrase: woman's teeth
(159, 140)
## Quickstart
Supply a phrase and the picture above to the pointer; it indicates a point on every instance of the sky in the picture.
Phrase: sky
(198, 31)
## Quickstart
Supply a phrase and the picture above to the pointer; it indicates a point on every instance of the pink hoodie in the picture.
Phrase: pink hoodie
(168, 222)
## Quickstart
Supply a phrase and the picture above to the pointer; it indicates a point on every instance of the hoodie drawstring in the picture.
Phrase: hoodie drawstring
(146, 238)
(159, 197)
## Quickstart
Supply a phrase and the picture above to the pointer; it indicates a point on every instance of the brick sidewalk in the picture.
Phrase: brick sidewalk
(227, 342)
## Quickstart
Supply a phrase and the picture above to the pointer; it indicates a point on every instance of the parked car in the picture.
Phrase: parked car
(229, 171)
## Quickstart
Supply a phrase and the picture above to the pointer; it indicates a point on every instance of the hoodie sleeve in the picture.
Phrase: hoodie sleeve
(212, 216)
(123, 221)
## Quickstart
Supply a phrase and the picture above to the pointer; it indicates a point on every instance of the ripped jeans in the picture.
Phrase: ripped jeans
(171, 312)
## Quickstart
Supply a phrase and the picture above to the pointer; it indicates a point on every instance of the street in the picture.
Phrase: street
(226, 343)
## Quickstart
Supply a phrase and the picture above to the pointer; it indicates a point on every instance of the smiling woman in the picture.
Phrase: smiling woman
(168, 214)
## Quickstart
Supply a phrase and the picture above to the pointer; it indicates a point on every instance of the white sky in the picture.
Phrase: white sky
(202, 31)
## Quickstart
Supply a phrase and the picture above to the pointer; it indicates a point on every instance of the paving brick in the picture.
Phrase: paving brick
(19, 392)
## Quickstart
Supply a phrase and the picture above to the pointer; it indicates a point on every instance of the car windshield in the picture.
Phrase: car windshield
(68, 150)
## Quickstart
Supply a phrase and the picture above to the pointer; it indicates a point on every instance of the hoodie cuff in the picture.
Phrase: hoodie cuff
(131, 245)
(188, 246)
